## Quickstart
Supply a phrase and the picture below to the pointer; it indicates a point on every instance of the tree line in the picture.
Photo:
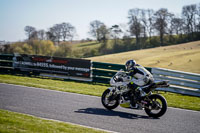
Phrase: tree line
(146, 25)
(146, 28)
(58, 32)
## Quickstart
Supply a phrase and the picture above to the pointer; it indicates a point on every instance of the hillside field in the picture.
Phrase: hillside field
(183, 57)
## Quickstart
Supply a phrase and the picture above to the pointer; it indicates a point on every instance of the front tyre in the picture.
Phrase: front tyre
(109, 100)
(157, 106)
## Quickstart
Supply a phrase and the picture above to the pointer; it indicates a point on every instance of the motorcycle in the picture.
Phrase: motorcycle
(120, 93)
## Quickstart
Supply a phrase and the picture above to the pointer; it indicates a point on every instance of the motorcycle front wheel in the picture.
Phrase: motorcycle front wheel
(157, 106)
(108, 100)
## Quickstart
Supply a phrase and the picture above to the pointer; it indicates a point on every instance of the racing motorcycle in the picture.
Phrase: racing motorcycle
(121, 94)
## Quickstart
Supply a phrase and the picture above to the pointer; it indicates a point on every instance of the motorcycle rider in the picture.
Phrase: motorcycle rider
(139, 77)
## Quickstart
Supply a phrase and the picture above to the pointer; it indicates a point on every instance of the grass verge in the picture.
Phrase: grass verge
(59, 85)
(17, 122)
(174, 100)
(182, 101)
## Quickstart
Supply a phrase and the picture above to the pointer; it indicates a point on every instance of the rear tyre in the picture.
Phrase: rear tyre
(108, 101)
(157, 106)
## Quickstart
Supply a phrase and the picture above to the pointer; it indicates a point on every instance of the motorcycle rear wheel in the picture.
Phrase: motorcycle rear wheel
(107, 103)
(157, 103)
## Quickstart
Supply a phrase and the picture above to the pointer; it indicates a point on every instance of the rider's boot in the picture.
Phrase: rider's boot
(135, 106)
(133, 103)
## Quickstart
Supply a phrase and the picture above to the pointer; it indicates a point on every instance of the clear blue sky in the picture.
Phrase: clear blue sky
(42, 14)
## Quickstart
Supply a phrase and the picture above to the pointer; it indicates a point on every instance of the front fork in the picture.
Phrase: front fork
(113, 94)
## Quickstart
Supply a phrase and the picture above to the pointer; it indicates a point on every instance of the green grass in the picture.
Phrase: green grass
(80, 49)
(11, 122)
(92, 44)
(88, 49)
(89, 45)
(68, 86)
(174, 100)
(182, 101)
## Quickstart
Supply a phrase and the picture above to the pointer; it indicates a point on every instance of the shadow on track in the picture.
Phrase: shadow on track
(99, 111)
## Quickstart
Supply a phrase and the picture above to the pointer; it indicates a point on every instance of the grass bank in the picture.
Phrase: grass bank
(183, 57)
(11, 122)
(174, 100)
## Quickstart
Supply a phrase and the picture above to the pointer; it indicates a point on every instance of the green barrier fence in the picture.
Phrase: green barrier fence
(102, 72)
(8, 57)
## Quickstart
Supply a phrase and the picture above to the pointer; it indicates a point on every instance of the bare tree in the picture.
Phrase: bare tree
(171, 30)
(144, 21)
(71, 34)
(161, 17)
(177, 25)
(67, 31)
(150, 22)
(34, 35)
(41, 34)
(135, 24)
(94, 27)
(56, 32)
(188, 14)
(50, 36)
(29, 30)
(64, 30)
(116, 32)
(102, 32)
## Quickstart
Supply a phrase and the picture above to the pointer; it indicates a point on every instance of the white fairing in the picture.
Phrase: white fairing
(120, 74)
(111, 88)
(139, 79)
(139, 82)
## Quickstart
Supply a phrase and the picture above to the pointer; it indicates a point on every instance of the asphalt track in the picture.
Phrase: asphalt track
(88, 111)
